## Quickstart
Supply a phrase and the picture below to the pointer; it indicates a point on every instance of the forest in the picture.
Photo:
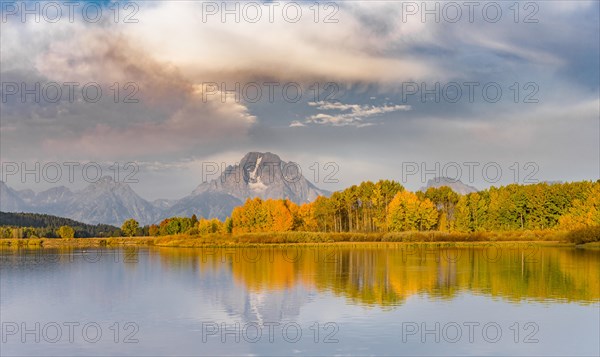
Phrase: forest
(385, 206)
(26, 225)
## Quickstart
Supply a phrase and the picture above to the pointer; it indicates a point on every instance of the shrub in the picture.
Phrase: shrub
(584, 235)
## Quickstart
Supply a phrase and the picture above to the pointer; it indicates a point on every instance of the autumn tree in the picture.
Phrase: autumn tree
(471, 212)
(153, 230)
(445, 200)
(257, 215)
(323, 213)
(407, 212)
(280, 215)
(583, 213)
(383, 193)
(66, 232)
(130, 227)
(228, 225)
(306, 218)
(174, 225)
(208, 226)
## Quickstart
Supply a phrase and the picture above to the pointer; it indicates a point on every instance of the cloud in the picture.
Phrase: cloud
(196, 123)
(351, 114)
(279, 50)
(180, 116)
(370, 51)
(172, 116)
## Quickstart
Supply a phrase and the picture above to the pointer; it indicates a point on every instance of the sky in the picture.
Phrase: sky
(153, 92)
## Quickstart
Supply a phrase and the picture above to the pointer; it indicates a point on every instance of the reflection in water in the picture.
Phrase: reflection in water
(367, 291)
(387, 275)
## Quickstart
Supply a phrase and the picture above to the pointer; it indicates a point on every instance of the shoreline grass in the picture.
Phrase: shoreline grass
(562, 238)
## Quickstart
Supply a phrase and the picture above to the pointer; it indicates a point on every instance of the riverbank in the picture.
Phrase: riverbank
(287, 238)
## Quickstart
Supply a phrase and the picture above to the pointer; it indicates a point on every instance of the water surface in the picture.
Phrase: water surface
(394, 299)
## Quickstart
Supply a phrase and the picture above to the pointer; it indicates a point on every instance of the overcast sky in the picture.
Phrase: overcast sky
(367, 72)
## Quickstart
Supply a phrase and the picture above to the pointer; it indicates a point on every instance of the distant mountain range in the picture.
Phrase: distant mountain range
(105, 201)
(456, 185)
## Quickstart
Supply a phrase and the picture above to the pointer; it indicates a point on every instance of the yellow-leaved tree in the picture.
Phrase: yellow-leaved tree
(280, 216)
(208, 226)
(270, 215)
(406, 212)
(306, 218)
(66, 232)
(583, 213)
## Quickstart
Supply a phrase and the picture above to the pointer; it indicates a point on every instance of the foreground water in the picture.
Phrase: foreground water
(333, 300)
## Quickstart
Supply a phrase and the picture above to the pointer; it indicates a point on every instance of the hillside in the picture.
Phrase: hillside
(49, 222)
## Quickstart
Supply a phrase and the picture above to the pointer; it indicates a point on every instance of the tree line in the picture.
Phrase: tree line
(383, 206)
(30, 225)
(386, 206)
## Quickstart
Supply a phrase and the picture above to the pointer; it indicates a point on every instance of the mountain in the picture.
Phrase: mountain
(10, 199)
(258, 174)
(109, 202)
(205, 204)
(102, 202)
(163, 203)
(52, 196)
(26, 195)
(105, 201)
(456, 185)
(263, 175)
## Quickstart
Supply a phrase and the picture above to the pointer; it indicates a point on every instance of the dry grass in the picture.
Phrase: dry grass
(578, 237)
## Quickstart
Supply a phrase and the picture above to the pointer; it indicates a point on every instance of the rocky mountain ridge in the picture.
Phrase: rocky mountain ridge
(105, 201)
